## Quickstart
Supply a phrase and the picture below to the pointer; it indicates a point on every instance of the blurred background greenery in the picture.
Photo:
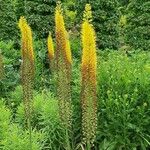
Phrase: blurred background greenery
(106, 19)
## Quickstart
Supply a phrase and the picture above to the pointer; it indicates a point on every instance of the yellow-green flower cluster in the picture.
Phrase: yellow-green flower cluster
(88, 68)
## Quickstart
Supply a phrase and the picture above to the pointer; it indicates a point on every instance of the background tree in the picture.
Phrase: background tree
(8, 20)
(40, 15)
(138, 24)
(19, 8)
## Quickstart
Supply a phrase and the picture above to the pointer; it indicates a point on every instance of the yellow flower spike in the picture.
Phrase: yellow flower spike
(50, 47)
(27, 43)
(1, 66)
(22, 26)
(27, 66)
(88, 70)
(27, 71)
(62, 35)
(63, 64)
(30, 43)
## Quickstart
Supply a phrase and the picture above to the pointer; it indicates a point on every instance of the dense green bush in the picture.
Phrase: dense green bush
(45, 118)
(70, 13)
(11, 62)
(138, 24)
(13, 136)
(8, 20)
(40, 15)
(123, 87)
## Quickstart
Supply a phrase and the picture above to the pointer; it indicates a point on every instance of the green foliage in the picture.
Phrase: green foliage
(4, 120)
(40, 15)
(19, 6)
(70, 13)
(18, 139)
(124, 111)
(76, 47)
(138, 17)
(11, 61)
(45, 118)
(14, 137)
(123, 77)
(8, 22)
(1, 66)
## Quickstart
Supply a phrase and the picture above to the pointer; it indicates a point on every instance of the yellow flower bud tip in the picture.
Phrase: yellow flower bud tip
(145, 104)
(87, 13)
(62, 35)
(87, 7)
(50, 46)
(58, 7)
(123, 20)
(27, 44)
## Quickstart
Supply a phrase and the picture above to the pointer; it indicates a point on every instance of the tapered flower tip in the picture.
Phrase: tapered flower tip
(58, 7)
(22, 22)
(87, 7)
(58, 15)
(50, 46)
(87, 13)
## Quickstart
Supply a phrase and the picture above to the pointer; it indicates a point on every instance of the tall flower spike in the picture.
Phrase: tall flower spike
(1, 66)
(88, 69)
(27, 67)
(63, 71)
(50, 46)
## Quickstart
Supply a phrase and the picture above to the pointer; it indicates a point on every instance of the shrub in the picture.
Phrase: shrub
(11, 63)
(18, 139)
(14, 137)
(124, 100)
(45, 118)
(5, 117)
